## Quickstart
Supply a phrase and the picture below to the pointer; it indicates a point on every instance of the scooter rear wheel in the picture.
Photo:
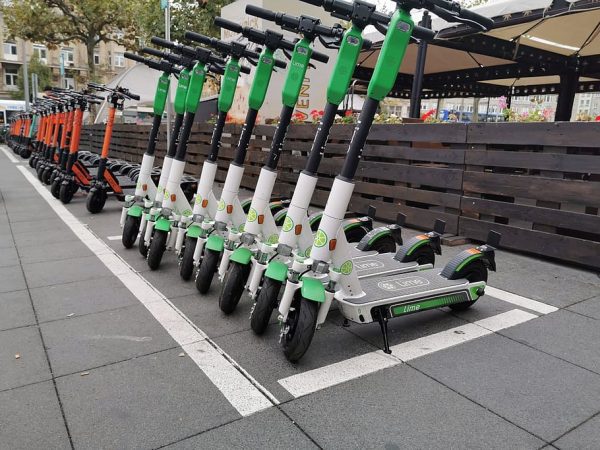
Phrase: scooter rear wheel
(55, 187)
(474, 272)
(302, 322)
(46, 175)
(157, 248)
(66, 192)
(186, 266)
(130, 231)
(264, 306)
(95, 200)
(207, 270)
(233, 286)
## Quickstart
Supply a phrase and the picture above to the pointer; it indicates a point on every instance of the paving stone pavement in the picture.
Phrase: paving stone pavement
(84, 363)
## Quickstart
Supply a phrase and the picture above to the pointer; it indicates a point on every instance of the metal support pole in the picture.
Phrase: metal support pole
(168, 38)
(25, 75)
(415, 96)
(566, 96)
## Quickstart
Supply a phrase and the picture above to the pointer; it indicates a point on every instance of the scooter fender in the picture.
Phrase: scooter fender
(366, 243)
(241, 255)
(313, 289)
(215, 243)
(162, 224)
(276, 270)
(194, 231)
(135, 211)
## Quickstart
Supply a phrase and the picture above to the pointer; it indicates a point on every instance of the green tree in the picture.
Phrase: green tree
(43, 72)
(56, 22)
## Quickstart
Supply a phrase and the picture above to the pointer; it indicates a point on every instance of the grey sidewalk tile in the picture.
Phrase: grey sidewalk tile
(262, 356)
(167, 280)
(94, 340)
(31, 419)
(402, 408)
(15, 310)
(143, 403)
(43, 236)
(80, 297)
(590, 308)
(564, 334)
(52, 222)
(53, 251)
(536, 391)
(584, 437)
(11, 279)
(266, 429)
(66, 271)
(6, 240)
(30, 367)
(9, 257)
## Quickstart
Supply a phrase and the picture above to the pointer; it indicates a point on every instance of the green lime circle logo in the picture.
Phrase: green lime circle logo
(198, 199)
(307, 252)
(288, 224)
(346, 268)
(273, 239)
(252, 215)
(241, 228)
(221, 206)
(320, 239)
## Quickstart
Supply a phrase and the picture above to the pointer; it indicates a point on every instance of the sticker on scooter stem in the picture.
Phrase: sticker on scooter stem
(320, 239)
(288, 224)
(398, 284)
(221, 206)
(346, 268)
(252, 215)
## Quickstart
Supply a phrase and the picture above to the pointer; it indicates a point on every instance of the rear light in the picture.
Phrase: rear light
(204, 203)
(261, 219)
(144, 187)
(173, 198)
(298, 230)
(332, 244)
(229, 209)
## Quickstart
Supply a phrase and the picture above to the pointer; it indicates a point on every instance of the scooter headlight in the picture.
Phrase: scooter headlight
(320, 267)
(198, 218)
(284, 250)
(220, 226)
(247, 239)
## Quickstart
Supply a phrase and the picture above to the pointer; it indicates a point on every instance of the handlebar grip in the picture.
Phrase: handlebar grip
(153, 52)
(245, 69)
(261, 13)
(161, 42)
(136, 58)
(381, 18)
(423, 33)
(228, 25)
(134, 97)
(313, 2)
(321, 57)
(197, 37)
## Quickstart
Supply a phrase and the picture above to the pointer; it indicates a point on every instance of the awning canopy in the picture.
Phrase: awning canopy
(531, 46)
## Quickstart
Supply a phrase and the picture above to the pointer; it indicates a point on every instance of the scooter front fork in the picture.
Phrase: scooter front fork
(286, 300)
(224, 263)
(149, 231)
(200, 242)
(181, 232)
(124, 212)
(255, 278)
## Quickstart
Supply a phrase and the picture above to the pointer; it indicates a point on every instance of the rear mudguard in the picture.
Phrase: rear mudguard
(241, 255)
(276, 270)
(215, 243)
(313, 289)
(162, 224)
(135, 211)
(279, 216)
(394, 230)
(407, 252)
(314, 220)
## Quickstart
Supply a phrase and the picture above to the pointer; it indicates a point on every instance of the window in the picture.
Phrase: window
(11, 74)
(119, 60)
(41, 52)
(10, 51)
(96, 58)
(69, 83)
(68, 56)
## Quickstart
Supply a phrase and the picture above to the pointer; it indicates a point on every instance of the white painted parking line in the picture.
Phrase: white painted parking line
(244, 393)
(9, 155)
(324, 377)
(517, 300)
(114, 238)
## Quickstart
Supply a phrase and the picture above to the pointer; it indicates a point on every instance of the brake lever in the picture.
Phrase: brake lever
(252, 61)
(331, 42)
(287, 54)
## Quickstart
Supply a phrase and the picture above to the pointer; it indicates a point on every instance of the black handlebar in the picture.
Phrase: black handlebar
(233, 49)
(455, 12)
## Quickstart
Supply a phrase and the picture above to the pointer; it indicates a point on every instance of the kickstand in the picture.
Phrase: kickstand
(383, 322)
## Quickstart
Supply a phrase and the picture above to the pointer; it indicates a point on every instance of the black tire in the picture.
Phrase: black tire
(46, 175)
(142, 247)
(158, 245)
(66, 192)
(130, 231)
(302, 321)
(474, 272)
(233, 286)
(423, 255)
(355, 234)
(55, 187)
(25, 153)
(385, 244)
(96, 199)
(207, 270)
(186, 265)
(53, 176)
(264, 306)
(32, 162)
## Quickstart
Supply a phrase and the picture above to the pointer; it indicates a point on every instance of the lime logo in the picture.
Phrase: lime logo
(307, 252)
(198, 199)
(166, 194)
(241, 228)
(252, 215)
(398, 284)
(288, 224)
(346, 268)
(273, 239)
(221, 206)
(368, 264)
(187, 212)
(320, 239)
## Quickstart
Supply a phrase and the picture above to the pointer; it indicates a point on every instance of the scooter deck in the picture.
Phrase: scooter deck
(383, 264)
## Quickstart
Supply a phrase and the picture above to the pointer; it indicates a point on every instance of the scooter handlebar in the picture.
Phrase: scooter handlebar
(136, 58)
(261, 13)
(228, 25)
(162, 42)
(454, 11)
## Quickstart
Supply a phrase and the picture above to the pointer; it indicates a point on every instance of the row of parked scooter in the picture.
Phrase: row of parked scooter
(282, 257)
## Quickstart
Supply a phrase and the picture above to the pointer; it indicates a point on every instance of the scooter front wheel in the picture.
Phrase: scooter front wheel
(233, 286)
(186, 266)
(264, 306)
(130, 231)
(142, 247)
(55, 187)
(46, 175)
(96, 199)
(207, 270)
(301, 325)
(157, 248)
(66, 192)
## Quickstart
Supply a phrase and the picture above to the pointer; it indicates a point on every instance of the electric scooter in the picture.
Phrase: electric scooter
(307, 298)
(160, 233)
(105, 182)
(137, 206)
(229, 222)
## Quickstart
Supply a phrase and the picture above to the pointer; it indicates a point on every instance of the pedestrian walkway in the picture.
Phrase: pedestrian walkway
(96, 351)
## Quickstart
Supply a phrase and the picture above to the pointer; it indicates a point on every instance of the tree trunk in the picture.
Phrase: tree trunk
(475, 116)
(90, 46)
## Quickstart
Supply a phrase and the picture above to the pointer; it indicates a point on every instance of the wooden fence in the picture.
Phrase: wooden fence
(536, 183)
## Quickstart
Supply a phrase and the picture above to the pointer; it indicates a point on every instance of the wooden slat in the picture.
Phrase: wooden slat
(559, 162)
